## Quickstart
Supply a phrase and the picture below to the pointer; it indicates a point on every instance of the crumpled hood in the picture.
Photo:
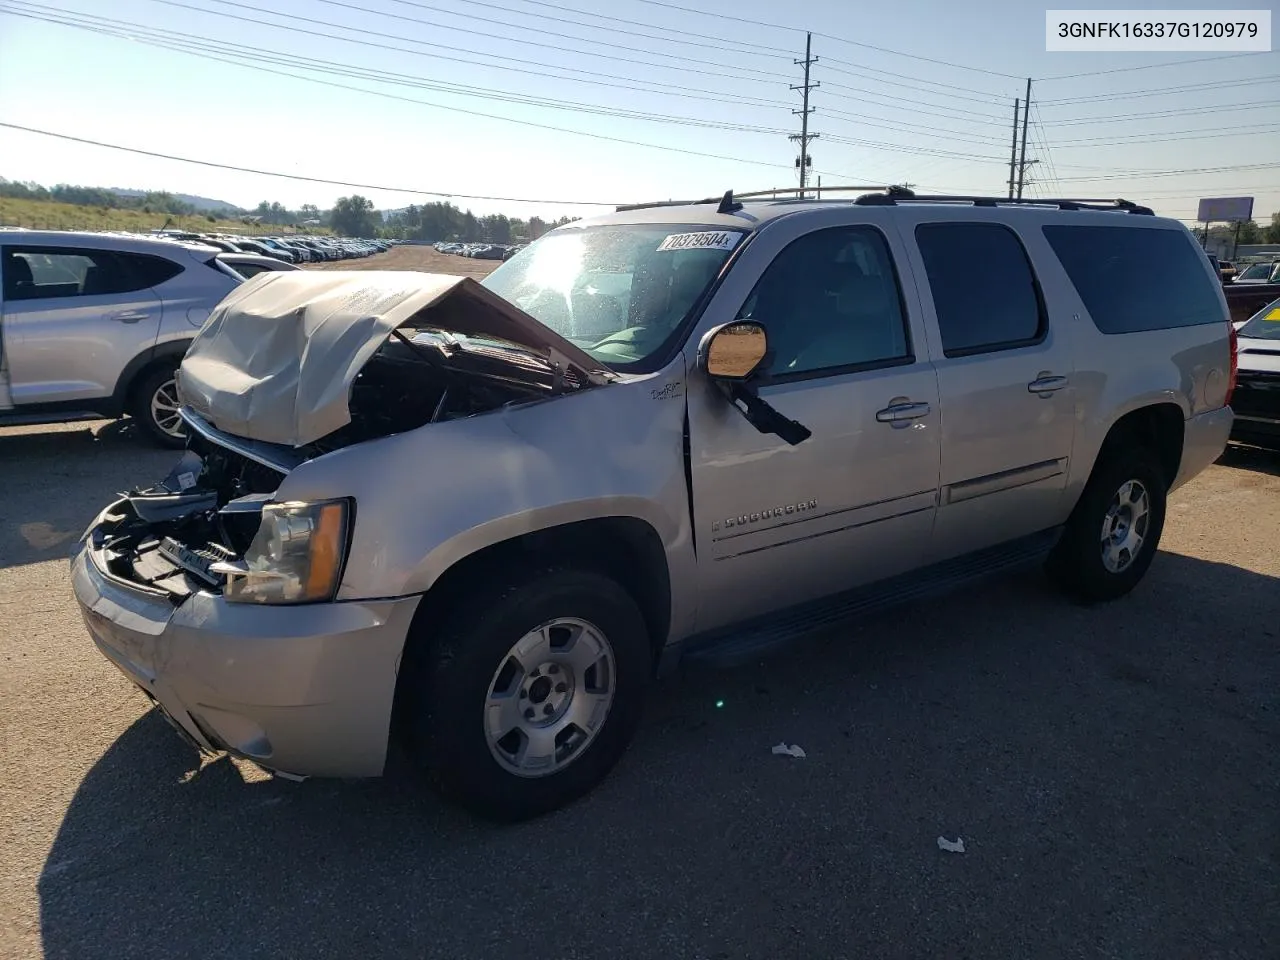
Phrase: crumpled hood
(277, 357)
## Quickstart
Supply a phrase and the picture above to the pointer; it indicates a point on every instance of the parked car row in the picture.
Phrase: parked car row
(288, 249)
(482, 251)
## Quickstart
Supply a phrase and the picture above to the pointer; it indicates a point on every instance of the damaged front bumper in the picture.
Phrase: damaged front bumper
(301, 690)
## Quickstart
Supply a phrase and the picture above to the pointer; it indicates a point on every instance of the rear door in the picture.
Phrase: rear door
(73, 319)
(1004, 378)
(777, 524)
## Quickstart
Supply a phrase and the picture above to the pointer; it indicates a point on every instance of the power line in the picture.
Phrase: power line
(1149, 66)
(777, 52)
(673, 90)
(992, 98)
(773, 76)
(915, 105)
(1161, 91)
(1193, 171)
(425, 43)
(826, 36)
(1218, 132)
(1183, 112)
(195, 44)
(490, 116)
(201, 47)
(299, 177)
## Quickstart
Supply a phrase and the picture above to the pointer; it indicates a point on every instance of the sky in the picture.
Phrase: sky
(562, 105)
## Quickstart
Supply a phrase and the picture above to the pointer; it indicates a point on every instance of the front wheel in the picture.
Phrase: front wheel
(155, 407)
(529, 693)
(1114, 532)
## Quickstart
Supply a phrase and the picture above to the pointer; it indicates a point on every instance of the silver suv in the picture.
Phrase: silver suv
(95, 324)
(480, 518)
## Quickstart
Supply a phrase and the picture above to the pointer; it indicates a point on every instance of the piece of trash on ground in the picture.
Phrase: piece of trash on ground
(789, 750)
(951, 846)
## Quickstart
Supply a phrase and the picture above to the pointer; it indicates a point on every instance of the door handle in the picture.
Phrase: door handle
(907, 410)
(1046, 384)
(129, 316)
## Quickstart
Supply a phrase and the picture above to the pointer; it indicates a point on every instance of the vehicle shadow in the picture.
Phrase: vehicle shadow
(38, 519)
(1111, 770)
(1257, 459)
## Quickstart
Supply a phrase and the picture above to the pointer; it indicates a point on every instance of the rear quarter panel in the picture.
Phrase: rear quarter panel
(1116, 374)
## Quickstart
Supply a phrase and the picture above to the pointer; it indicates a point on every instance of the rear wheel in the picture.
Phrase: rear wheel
(529, 693)
(155, 408)
(1114, 531)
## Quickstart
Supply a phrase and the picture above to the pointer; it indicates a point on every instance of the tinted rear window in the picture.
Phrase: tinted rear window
(984, 292)
(1134, 278)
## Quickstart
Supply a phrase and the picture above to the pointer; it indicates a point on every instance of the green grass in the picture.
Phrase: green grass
(51, 215)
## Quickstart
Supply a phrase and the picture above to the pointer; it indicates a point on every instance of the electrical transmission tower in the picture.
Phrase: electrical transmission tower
(804, 161)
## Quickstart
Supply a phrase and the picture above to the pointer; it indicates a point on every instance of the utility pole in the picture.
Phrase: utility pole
(804, 136)
(1026, 113)
(1013, 149)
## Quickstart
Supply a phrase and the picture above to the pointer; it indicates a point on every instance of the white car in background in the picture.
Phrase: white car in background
(94, 325)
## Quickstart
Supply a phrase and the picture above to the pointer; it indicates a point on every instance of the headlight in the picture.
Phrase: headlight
(295, 557)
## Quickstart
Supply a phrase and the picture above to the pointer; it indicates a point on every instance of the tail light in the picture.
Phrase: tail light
(1235, 363)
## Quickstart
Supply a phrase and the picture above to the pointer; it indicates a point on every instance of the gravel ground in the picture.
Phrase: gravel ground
(1112, 771)
(414, 257)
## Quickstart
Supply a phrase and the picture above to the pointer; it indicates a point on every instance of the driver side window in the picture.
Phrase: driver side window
(831, 303)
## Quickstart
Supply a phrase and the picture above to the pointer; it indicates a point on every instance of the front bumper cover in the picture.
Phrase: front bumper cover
(303, 690)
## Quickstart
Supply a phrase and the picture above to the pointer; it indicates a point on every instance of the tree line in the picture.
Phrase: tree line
(443, 221)
(353, 216)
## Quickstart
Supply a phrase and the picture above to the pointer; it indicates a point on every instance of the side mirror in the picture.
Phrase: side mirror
(734, 351)
(731, 355)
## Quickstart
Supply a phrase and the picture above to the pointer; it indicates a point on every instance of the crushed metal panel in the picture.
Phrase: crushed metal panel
(276, 359)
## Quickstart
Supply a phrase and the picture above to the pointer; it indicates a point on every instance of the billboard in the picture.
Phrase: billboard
(1225, 209)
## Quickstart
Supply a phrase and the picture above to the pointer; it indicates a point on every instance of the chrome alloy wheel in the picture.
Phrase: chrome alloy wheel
(549, 697)
(1124, 528)
(164, 409)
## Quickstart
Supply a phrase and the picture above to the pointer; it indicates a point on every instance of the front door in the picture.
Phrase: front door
(1005, 380)
(73, 319)
(775, 524)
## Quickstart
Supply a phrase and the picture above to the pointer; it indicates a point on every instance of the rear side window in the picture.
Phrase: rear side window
(45, 273)
(1136, 278)
(984, 292)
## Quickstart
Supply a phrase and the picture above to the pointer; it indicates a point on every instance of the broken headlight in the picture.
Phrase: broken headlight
(295, 557)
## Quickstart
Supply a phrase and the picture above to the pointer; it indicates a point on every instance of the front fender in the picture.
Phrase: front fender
(431, 497)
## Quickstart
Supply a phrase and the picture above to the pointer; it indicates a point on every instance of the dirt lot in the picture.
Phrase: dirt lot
(1112, 771)
(426, 259)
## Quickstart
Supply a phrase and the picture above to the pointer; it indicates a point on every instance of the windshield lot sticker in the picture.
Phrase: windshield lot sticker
(1273, 315)
(703, 240)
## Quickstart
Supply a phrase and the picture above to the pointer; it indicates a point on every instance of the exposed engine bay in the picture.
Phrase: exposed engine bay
(170, 536)
(427, 376)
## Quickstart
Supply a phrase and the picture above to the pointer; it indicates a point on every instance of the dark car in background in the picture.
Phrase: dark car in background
(1256, 400)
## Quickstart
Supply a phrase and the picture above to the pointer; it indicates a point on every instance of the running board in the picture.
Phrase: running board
(741, 643)
(34, 419)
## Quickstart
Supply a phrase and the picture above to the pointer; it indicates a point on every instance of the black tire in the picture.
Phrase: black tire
(1077, 564)
(447, 676)
(140, 407)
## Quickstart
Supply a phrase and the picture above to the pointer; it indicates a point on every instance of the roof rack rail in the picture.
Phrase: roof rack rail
(1062, 203)
(728, 200)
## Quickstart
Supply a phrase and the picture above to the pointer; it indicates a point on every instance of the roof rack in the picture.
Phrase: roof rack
(890, 195)
(729, 201)
(1062, 203)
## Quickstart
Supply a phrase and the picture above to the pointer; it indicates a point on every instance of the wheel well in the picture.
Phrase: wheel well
(627, 550)
(1158, 427)
(131, 392)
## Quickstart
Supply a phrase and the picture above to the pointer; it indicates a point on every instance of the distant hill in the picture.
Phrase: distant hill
(200, 203)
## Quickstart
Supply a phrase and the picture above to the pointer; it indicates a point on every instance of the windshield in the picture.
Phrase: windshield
(620, 292)
(1258, 271)
(1265, 324)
